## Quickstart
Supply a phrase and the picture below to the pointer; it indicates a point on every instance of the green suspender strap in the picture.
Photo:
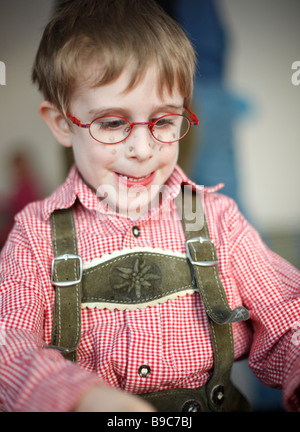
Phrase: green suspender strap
(66, 278)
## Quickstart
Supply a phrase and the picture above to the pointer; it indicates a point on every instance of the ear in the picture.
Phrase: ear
(56, 122)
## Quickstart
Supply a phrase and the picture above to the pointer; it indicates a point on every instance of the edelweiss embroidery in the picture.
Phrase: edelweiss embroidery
(136, 278)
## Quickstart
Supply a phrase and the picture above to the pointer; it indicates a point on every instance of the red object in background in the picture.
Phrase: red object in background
(26, 189)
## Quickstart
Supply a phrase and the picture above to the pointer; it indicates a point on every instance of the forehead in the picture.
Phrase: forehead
(146, 88)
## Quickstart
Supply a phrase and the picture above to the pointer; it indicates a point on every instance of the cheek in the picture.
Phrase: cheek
(95, 153)
(103, 154)
(168, 153)
(113, 151)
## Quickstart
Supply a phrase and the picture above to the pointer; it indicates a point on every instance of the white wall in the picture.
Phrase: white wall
(265, 42)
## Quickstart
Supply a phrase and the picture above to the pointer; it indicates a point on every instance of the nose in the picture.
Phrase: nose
(140, 144)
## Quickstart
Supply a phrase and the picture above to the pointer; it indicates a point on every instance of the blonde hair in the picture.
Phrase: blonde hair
(115, 34)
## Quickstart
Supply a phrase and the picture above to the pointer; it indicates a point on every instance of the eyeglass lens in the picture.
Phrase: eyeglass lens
(113, 129)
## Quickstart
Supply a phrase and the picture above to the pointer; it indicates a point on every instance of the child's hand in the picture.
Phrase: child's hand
(106, 399)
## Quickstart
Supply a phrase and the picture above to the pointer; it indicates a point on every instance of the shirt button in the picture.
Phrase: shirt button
(144, 371)
(191, 406)
(218, 395)
(136, 231)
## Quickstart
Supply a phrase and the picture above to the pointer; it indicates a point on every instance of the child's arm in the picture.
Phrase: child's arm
(106, 399)
(270, 288)
(291, 390)
(37, 379)
(33, 378)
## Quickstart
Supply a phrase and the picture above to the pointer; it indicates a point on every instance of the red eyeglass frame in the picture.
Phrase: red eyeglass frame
(193, 122)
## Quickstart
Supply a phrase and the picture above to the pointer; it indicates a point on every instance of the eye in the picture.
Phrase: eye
(110, 123)
(163, 122)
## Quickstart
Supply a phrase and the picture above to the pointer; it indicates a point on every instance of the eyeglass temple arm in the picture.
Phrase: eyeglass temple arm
(193, 116)
(75, 120)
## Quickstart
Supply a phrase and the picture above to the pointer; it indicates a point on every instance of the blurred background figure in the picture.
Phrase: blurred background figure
(208, 157)
(25, 188)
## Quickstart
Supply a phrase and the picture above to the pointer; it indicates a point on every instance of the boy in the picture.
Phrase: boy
(119, 284)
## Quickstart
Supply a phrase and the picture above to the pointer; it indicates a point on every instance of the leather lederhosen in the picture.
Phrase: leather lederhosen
(141, 277)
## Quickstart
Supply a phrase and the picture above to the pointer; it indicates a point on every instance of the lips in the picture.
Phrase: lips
(135, 181)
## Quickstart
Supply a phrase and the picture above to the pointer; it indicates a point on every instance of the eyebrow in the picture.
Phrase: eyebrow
(124, 112)
(104, 111)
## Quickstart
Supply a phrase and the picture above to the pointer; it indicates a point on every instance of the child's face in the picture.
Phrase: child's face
(129, 173)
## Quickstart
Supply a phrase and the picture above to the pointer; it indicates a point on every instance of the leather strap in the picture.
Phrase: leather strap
(203, 259)
(66, 278)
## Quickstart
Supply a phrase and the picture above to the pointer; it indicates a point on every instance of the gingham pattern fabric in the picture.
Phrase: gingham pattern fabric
(172, 338)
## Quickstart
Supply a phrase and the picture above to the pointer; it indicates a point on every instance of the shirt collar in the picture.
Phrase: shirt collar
(65, 195)
(75, 188)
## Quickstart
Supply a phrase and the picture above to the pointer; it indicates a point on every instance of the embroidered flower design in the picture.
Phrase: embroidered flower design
(136, 278)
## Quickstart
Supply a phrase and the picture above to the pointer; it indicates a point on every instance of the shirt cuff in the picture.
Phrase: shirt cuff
(62, 387)
(291, 388)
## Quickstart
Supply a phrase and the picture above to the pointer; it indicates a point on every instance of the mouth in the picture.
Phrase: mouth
(135, 181)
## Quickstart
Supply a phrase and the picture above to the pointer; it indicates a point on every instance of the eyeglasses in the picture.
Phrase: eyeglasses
(113, 129)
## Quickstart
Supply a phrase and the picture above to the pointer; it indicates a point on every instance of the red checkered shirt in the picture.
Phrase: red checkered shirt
(172, 338)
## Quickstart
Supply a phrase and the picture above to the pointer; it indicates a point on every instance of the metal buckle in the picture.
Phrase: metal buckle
(199, 263)
(66, 257)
